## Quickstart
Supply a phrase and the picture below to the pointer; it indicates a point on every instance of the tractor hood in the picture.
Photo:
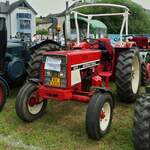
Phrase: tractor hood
(77, 56)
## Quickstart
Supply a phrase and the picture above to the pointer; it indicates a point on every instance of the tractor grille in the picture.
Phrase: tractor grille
(55, 71)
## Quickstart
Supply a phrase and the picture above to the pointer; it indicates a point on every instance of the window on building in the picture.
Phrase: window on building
(25, 24)
(24, 15)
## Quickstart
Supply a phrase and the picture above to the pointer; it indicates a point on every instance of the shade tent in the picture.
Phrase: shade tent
(96, 27)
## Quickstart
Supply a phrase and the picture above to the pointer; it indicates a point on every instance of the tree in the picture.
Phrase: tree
(42, 32)
(139, 20)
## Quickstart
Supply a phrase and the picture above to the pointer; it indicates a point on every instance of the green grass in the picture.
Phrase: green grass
(63, 128)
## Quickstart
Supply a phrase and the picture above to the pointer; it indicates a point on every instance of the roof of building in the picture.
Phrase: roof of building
(7, 8)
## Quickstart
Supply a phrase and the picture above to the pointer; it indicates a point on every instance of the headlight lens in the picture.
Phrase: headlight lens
(62, 75)
(48, 73)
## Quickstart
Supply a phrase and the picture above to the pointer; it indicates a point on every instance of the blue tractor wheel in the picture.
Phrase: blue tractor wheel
(15, 69)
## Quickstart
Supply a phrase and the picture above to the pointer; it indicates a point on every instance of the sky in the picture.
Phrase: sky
(45, 7)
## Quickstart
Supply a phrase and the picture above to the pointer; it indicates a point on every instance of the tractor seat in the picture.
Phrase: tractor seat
(105, 74)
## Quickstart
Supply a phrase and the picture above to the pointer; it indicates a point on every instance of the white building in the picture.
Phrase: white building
(20, 18)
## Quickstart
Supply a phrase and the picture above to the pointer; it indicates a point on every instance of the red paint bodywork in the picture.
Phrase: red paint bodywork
(141, 42)
(125, 45)
(83, 53)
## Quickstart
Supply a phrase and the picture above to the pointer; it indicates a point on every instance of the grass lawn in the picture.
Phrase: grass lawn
(62, 128)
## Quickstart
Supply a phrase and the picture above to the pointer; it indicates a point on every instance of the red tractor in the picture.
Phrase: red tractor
(83, 74)
(144, 48)
(141, 125)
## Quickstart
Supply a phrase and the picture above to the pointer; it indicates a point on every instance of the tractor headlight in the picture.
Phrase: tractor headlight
(48, 73)
(62, 75)
(55, 71)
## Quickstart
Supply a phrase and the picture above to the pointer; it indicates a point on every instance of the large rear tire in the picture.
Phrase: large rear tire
(141, 126)
(34, 65)
(128, 72)
(99, 115)
(27, 107)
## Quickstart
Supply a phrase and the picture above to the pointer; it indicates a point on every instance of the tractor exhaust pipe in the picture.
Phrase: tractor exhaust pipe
(3, 43)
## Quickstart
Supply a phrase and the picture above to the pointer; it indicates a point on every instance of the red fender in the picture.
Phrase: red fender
(125, 45)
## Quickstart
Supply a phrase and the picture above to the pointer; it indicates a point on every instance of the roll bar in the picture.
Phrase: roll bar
(124, 13)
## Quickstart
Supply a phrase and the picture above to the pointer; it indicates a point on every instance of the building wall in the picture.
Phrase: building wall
(15, 22)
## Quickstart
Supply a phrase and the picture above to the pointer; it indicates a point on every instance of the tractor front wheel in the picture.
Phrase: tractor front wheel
(99, 115)
(141, 126)
(128, 73)
(28, 108)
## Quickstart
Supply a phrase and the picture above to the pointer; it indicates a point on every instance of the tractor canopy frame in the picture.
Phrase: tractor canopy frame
(75, 12)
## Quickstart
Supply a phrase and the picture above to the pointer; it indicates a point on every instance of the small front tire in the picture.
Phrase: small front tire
(99, 115)
(27, 107)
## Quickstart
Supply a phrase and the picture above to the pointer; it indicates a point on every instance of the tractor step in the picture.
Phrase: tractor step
(106, 75)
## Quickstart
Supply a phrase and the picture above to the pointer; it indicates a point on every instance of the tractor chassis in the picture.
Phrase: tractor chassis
(59, 94)
(32, 100)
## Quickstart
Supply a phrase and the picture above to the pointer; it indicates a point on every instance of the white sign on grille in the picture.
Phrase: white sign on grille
(53, 64)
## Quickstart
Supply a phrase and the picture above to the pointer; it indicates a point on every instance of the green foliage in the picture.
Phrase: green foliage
(38, 20)
(42, 32)
(139, 20)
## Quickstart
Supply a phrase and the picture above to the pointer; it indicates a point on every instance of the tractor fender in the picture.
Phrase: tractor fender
(125, 45)
(6, 85)
(104, 90)
(34, 80)
(38, 45)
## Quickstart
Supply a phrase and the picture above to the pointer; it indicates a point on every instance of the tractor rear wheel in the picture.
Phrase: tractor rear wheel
(34, 64)
(27, 106)
(99, 115)
(128, 72)
(141, 126)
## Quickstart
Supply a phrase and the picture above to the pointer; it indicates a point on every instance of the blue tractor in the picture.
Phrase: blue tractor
(18, 61)
(15, 62)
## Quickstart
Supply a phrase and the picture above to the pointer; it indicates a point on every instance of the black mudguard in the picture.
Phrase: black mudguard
(104, 90)
(38, 45)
